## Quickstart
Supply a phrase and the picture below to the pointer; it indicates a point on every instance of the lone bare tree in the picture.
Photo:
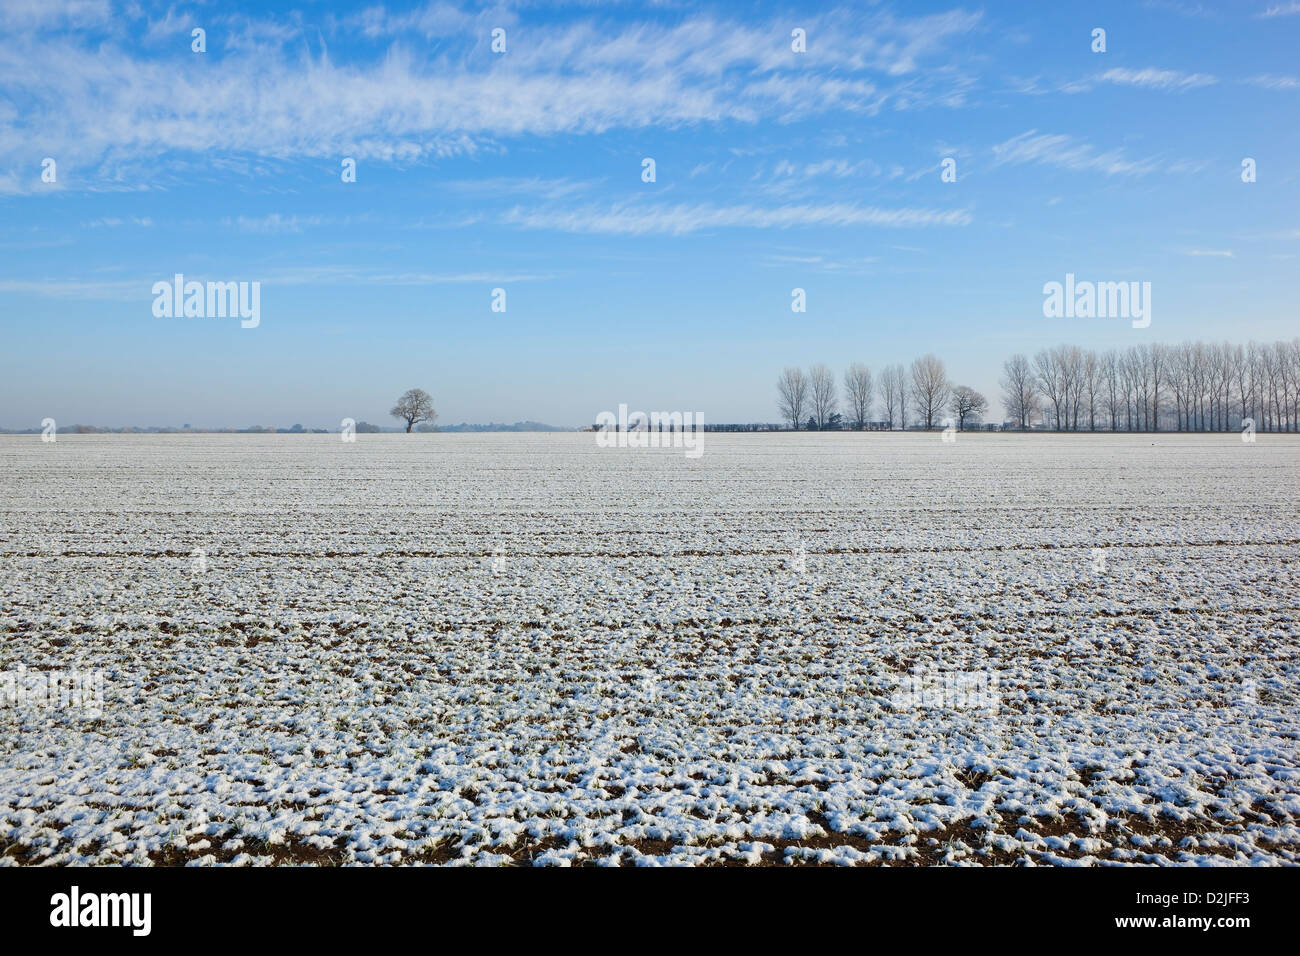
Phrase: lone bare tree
(857, 388)
(414, 406)
(822, 380)
(929, 387)
(792, 392)
(967, 403)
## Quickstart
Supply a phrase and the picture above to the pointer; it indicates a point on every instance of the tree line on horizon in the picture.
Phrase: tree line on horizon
(925, 384)
(1193, 386)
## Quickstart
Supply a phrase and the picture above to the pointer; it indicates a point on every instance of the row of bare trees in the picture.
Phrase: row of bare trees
(1195, 386)
(925, 386)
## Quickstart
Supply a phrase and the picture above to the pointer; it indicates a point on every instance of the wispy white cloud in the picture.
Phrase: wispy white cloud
(856, 265)
(172, 24)
(276, 224)
(1212, 253)
(1282, 9)
(1181, 8)
(431, 21)
(1066, 152)
(49, 14)
(832, 168)
(680, 219)
(268, 88)
(1149, 78)
(1273, 81)
(354, 276)
(1154, 79)
(537, 187)
(139, 289)
(113, 221)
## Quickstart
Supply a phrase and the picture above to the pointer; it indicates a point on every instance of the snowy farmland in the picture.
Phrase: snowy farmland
(525, 649)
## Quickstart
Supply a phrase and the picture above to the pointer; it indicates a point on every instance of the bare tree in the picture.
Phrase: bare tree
(930, 387)
(1072, 363)
(1110, 376)
(414, 406)
(792, 393)
(1256, 359)
(1019, 394)
(857, 389)
(1226, 368)
(1180, 380)
(1292, 377)
(894, 392)
(822, 381)
(1220, 374)
(1092, 378)
(1159, 367)
(1243, 365)
(1140, 372)
(1051, 380)
(1268, 365)
(1131, 368)
(967, 403)
(902, 397)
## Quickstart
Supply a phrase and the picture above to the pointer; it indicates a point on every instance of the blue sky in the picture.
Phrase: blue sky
(522, 170)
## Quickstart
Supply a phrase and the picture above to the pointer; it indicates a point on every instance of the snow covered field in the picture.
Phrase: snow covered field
(503, 648)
